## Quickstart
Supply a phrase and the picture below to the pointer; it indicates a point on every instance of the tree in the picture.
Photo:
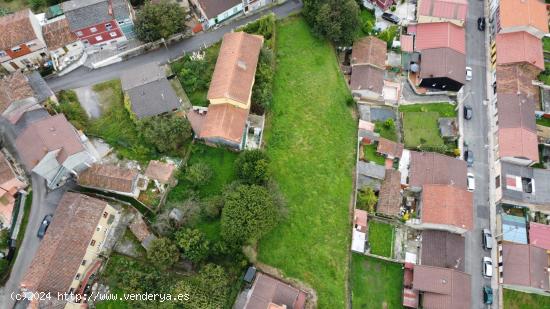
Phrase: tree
(36, 4)
(209, 289)
(212, 206)
(248, 213)
(160, 20)
(337, 20)
(4, 239)
(194, 244)
(198, 174)
(166, 132)
(252, 167)
(367, 199)
(163, 253)
(263, 85)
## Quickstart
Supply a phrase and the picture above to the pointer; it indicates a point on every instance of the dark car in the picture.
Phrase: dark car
(391, 18)
(481, 24)
(44, 226)
(468, 112)
(487, 295)
(469, 157)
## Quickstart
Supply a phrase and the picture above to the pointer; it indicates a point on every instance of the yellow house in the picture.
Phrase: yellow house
(69, 253)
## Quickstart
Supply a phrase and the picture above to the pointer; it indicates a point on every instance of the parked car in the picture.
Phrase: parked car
(44, 226)
(487, 239)
(468, 112)
(469, 157)
(468, 73)
(471, 181)
(481, 24)
(391, 18)
(487, 295)
(487, 267)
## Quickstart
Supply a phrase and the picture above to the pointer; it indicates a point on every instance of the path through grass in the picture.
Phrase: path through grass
(311, 141)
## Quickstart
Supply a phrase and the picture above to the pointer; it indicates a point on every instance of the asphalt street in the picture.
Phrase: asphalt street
(84, 76)
(476, 133)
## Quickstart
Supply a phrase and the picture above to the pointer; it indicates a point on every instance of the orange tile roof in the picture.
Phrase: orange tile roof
(236, 67)
(407, 43)
(518, 143)
(449, 9)
(518, 13)
(369, 50)
(58, 34)
(224, 121)
(160, 171)
(439, 35)
(16, 29)
(109, 177)
(517, 47)
(14, 87)
(389, 148)
(448, 205)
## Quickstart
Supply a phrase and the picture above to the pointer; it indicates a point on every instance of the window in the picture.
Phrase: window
(93, 29)
(83, 262)
(99, 38)
(31, 44)
(16, 49)
(2, 54)
(75, 45)
(108, 27)
(86, 42)
(105, 214)
(98, 229)
(497, 181)
(113, 34)
(92, 243)
(77, 277)
(79, 33)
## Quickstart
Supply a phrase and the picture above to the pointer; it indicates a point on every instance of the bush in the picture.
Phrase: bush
(159, 20)
(212, 207)
(263, 86)
(194, 74)
(70, 106)
(199, 174)
(166, 132)
(194, 245)
(4, 239)
(264, 26)
(207, 290)
(367, 199)
(163, 253)
(252, 167)
(337, 20)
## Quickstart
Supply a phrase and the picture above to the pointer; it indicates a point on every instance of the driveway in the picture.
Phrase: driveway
(476, 132)
(89, 101)
(84, 77)
(43, 203)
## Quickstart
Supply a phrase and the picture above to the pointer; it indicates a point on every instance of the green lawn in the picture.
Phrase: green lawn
(221, 161)
(368, 21)
(116, 126)
(381, 237)
(421, 128)
(372, 156)
(519, 300)
(443, 109)
(546, 44)
(375, 283)
(311, 140)
(544, 122)
(385, 131)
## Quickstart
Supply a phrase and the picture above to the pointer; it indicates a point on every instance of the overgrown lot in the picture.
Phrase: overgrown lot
(520, 300)
(420, 127)
(311, 139)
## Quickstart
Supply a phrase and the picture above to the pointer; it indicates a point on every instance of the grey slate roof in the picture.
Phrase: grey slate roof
(41, 89)
(141, 75)
(153, 99)
(541, 178)
(442, 249)
(120, 9)
(85, 13)
(371, 170)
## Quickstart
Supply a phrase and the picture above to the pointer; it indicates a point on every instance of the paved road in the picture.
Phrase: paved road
(85, 77)
(43, 203)
(476, 137)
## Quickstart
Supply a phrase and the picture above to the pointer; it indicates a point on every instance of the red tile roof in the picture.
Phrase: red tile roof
(518, 78)
(236, 67)
(525, 265)
(389, 148)
(360, 220)
(58, 34)
(447, 205)
(442, 287)
(389, 197)
(16, 29)
(449, 9)
(367, 78)
(407, 43)
(520, 13)
(519, 47)
(160, 171)
(224, 121)
(14, 87)
(438, 35)
(56, 262)
(109, 177)
(539, 235)
(369, 50)
(518, 143)
(268, 290)
(49, 134)
(434, 168)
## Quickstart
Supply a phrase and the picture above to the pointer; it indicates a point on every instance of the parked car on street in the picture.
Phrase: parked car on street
(468, 112)
(481, 24)
(44, 226)
(487, 239)
(487, 267)
(471, 182)
(487, 295)
(469, 157)
(391, 18)
(468, 73)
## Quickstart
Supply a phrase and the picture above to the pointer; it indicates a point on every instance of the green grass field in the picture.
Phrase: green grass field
(381, 238)
(519, 300)
(375, 283)
(311, 140)
(421, 128)
(385, 131)
(372, 156)
(222, 163)
(443, 109)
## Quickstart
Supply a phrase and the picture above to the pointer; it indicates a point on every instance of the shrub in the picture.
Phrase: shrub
(70, 106)
(199, 174)
(367, 199)
(166, 132)
(159, 20)
(163, 253)
(212, 207)
(252, 167)
(194, 245)
(263, 86)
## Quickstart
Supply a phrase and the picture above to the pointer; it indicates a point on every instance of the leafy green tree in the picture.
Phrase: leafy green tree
(263, 85)
(207, 290)
(194, 244)
(166, 132)
(199, 174)
(159, 20)
(212, 206)
(163, 253)
(337, 20)
(248, 213)
(4, 238)
(367, 199)
(252, 167)
(36, 4)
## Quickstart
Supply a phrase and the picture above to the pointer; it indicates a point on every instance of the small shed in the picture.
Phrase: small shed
(448, 128)
(514, 229)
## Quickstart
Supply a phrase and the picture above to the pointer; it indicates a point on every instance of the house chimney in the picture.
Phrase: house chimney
(241, 64)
